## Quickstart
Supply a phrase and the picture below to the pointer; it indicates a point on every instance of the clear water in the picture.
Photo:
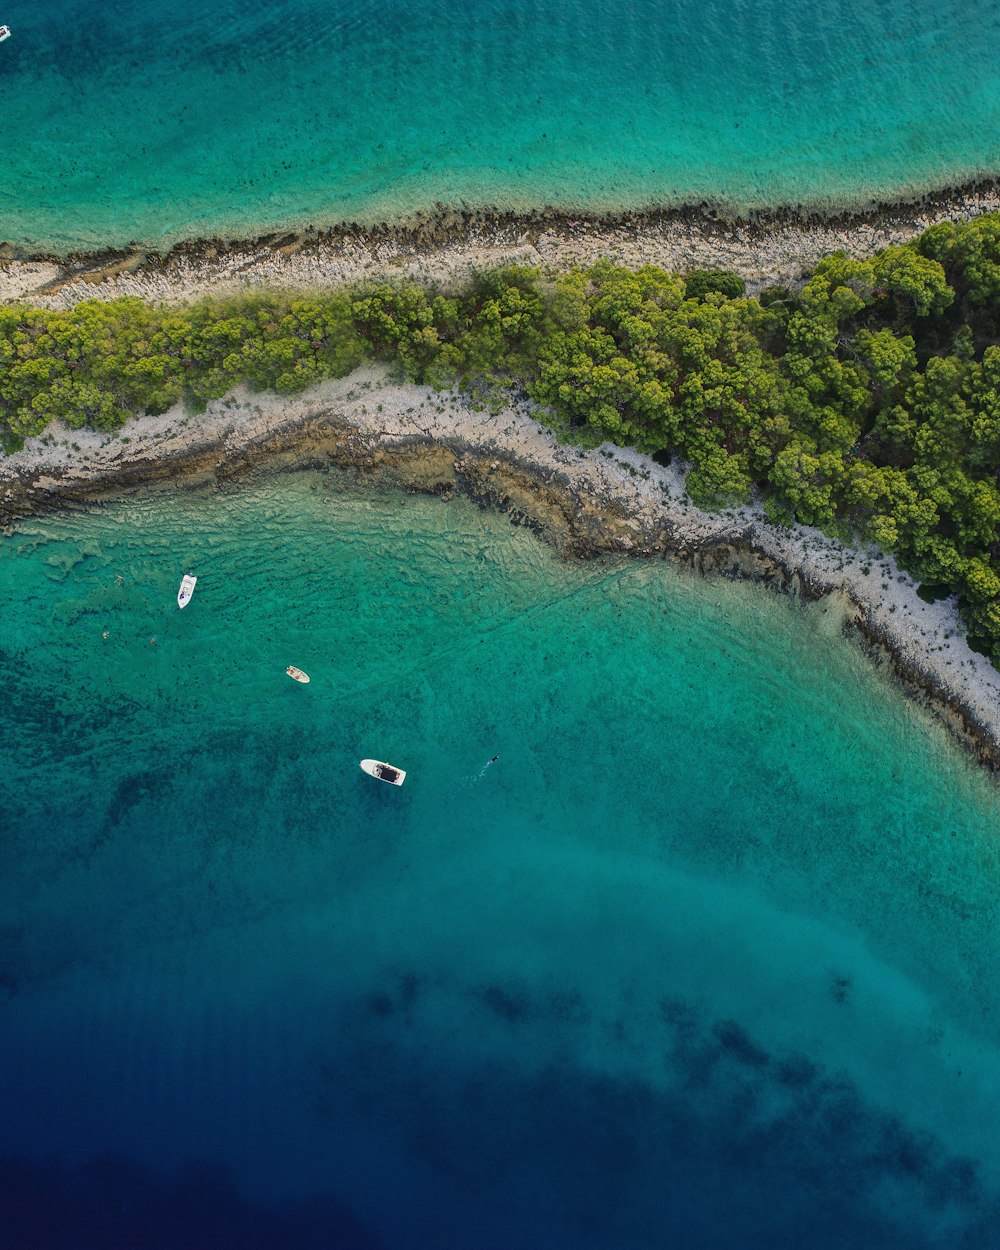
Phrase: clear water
(708, 957)
(151, 122)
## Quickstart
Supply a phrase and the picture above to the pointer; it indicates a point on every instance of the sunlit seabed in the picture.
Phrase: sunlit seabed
(153, 123)
(711, 950)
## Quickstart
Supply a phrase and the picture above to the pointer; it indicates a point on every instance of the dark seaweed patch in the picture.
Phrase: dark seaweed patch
(503, 1002)
(135, 789)
(796, 1071)
(516, 1004)
(737, 1045)
(398, 998)
(380, 1004)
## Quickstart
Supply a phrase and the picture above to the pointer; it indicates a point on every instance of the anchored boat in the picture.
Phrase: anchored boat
(297, 674)
(186, 590)
(384, 772)
(4, 33)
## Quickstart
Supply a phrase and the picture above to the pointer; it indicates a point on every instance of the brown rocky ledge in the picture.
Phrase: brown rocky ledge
(610, 501)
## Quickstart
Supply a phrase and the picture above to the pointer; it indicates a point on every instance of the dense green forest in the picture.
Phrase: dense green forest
(865, 402)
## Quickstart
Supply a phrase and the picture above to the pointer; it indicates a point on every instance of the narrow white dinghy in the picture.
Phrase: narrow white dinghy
(4, 33)
(186, 590)
(384, 772)
(297, 674)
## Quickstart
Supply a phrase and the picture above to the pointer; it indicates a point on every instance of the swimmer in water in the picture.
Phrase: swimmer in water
(471, 781)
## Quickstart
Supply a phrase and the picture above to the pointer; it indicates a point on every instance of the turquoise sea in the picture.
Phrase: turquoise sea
(153, 122)
(708, 958)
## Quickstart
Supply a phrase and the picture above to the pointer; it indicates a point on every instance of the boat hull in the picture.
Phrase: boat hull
(188, 584)
(296, 674)
(383, 772)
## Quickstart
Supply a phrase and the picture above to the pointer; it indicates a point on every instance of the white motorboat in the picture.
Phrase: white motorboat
(4, 33)
(186, 590)
(297, 674)
(384, 772)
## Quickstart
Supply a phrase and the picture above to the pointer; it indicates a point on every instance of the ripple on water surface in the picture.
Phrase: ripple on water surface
(154, 122)
(710, 951)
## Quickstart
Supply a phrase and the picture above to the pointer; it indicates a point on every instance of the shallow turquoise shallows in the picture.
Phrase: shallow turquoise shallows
(152, 122)
(708, 957)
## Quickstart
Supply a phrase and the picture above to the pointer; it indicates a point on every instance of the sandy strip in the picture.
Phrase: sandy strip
(608, 500)
(445, 247)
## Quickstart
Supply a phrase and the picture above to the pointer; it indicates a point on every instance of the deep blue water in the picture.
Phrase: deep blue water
(151, 122)
(707, 959)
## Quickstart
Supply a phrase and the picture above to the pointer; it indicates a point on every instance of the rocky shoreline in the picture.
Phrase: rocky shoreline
(586, 504)
(445, 245)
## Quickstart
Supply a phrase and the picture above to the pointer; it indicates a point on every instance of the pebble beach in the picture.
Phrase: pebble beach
(446, 246)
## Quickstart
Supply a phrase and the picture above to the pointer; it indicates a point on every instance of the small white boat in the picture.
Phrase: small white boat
(297, 674)
(384, 772)
(186, 590)
(4, 33)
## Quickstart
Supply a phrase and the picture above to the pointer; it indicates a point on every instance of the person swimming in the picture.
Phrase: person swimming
(471, 781)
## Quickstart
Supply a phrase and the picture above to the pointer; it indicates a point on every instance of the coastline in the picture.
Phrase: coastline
(585, 504)
(446, 245)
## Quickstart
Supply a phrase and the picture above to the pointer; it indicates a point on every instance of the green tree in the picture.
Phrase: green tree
(700, 283)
